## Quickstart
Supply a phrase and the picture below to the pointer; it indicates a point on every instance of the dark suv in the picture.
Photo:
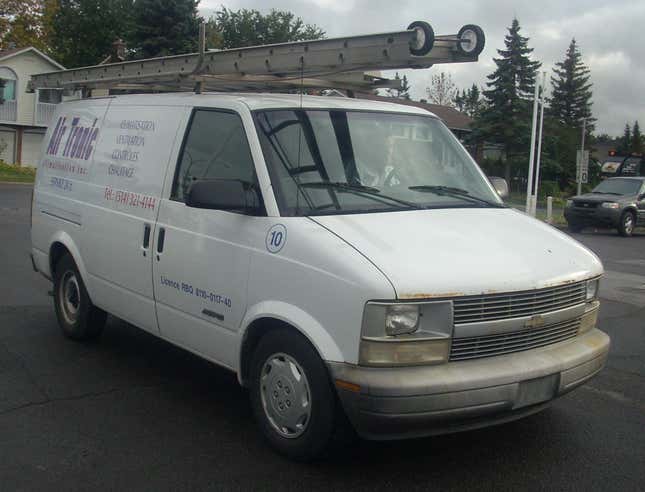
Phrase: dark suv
(616, 202)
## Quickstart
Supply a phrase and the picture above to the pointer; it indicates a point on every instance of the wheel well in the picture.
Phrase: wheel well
(56, 252)
(254, 333)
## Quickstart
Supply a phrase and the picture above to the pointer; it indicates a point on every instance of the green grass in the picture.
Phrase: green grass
(17, 174)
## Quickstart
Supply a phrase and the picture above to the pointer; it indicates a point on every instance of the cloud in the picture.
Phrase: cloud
(609, 33)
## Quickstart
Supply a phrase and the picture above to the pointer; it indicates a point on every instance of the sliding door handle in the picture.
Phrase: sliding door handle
(160, 240)
(146, 236)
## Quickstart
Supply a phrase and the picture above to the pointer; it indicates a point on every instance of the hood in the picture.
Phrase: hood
(600, 197)
(453, 252)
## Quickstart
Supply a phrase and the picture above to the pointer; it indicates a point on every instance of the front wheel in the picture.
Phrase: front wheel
(78, 318)
(292, 397)
(627, 224)
(573, 227)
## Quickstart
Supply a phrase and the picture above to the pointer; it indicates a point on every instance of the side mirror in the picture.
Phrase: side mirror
(500, 185)
(224, 194)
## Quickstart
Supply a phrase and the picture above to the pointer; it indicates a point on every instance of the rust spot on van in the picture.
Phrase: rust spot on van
(425, 295)
(562, 282)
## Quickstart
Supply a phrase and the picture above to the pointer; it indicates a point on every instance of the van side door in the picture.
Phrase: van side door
(130, 163)
(201, 257)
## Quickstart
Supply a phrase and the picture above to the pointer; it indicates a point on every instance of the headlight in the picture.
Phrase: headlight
(401, 319)
(398, 334)
(609, 205)
(592, 289)
(569, 203)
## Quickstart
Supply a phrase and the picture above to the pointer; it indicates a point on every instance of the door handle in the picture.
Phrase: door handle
(146, 238)
(160, 241)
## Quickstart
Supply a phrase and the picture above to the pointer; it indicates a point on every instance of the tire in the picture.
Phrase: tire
(627, 223)
(77, 317)
(428, 38)
(278, 391)
(471, 31)
(573, 227)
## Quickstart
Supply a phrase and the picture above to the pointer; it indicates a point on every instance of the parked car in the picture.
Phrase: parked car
(616, 202)
(339, 255)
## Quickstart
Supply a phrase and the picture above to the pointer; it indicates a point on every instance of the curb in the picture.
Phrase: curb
(16, 183)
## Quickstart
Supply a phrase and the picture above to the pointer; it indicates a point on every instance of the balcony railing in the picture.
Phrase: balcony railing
(8, 111)
(44, 113)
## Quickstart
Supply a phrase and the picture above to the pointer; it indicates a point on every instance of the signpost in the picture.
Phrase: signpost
(582, 168)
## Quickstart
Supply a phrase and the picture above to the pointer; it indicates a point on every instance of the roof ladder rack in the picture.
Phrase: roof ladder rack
(338, 63)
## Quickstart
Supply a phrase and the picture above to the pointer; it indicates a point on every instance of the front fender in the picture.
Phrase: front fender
(300, 320)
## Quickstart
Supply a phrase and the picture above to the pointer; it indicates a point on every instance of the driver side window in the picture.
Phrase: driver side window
(215, 148)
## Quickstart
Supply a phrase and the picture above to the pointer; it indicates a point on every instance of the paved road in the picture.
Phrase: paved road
(135, 413)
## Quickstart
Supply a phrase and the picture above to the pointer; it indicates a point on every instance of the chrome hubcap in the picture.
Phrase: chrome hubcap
(70, 297)
(286, 398)
(629, 223)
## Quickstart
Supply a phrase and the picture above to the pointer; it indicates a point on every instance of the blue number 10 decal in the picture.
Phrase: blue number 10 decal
(276, 238)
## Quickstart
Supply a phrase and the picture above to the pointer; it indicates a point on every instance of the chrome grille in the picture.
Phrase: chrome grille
(516, 341)
(517, 304)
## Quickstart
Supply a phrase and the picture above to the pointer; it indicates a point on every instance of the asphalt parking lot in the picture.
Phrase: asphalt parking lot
(135, 413)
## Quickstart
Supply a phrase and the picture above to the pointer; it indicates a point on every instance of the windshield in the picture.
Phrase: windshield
(337, 162)
(619, 186)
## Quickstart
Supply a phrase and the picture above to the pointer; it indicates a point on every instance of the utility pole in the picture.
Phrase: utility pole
(582, 154)
(529, 185)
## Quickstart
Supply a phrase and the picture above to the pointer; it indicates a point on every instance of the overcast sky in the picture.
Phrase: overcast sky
(611, 36)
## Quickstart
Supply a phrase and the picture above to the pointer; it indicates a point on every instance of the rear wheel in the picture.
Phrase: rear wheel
(292, 397)
(627, 223)
(78, 318)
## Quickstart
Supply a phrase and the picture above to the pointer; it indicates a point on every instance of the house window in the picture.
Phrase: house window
(50, 96)
(9, 77)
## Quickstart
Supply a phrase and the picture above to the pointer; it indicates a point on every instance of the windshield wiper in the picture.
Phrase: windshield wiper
(455, 193)
(606, 193)
(359, 189)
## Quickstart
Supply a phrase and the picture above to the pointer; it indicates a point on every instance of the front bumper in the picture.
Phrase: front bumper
(593, 216)
(407, 402)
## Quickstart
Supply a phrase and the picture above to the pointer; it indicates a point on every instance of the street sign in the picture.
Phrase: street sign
(582, 166)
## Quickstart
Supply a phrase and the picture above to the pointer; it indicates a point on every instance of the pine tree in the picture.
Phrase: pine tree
(570, 101)
(637, 139)
(507, 117)
(164, 27)
(401, 92)
(469, 101)
(626, 140)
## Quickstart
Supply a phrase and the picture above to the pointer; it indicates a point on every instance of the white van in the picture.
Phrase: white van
(347, 259)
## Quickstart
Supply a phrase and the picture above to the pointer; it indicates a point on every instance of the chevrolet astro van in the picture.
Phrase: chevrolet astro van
(347, 259)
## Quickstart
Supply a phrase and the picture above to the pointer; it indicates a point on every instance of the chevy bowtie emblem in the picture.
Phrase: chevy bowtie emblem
(535, 322)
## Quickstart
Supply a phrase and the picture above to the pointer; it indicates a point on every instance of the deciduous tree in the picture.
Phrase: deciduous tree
(442, 90)
(249, 27)
(83, 30)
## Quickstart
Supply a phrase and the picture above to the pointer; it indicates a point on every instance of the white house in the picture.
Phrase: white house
(24, 117)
